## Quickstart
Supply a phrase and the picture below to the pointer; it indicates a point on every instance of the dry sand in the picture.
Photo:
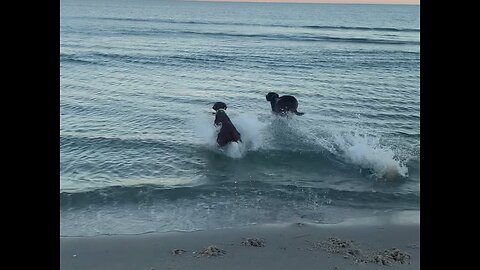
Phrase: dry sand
(360, 244)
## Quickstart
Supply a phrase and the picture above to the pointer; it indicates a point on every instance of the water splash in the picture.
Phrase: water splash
(354, 144)
(250, 128)
(234, 150)
(205, 131)
(368, 153)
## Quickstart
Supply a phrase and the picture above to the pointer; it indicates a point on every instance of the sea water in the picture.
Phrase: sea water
(137, 141)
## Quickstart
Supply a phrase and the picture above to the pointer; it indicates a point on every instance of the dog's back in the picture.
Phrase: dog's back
(287, 103)
(282, 105)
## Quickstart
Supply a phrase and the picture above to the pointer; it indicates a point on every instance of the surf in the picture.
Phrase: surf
(354, 146)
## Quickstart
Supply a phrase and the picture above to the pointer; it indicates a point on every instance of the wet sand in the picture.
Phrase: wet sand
(372, 243)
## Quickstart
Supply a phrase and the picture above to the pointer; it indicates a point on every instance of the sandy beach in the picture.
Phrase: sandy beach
(369, 243)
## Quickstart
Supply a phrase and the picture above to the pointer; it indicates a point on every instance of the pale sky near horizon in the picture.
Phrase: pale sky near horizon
(411, 2)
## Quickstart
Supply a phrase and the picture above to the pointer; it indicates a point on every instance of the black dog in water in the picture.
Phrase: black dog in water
(228, 133)
(282, 105)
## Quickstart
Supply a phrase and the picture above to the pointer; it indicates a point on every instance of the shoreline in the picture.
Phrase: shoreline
(365, 243)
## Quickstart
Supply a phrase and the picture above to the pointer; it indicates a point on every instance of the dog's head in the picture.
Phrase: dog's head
(219, 113)
(271, 96)
(219, 105)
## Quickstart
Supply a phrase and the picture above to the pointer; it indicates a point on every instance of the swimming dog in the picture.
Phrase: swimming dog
(228, 133)
(282, 105)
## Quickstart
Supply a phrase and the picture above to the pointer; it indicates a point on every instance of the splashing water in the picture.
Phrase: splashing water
(250, 128)
(235, 150)
(205, 131)
(368, 153)
(352, 146)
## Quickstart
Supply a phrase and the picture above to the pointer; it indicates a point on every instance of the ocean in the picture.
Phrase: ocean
(138, 80)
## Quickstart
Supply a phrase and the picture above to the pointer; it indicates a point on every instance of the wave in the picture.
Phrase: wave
(73, 58)
(252, 190)
(96, 160)
(388, 29)
(173, 21)
(121, 210)
(228, 60)
(107, 59)
(289, 37)
(99, 142)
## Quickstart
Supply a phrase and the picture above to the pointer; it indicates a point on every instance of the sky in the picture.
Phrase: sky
(414, 2)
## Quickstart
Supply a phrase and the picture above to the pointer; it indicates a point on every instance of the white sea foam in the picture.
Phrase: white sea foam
(205, 131)
(356, 146)
(367, 152)
(353, 145)
(235, 150)
(251, 129)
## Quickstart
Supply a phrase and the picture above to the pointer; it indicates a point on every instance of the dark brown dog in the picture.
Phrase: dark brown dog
(228, 133)
(284, 104)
